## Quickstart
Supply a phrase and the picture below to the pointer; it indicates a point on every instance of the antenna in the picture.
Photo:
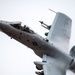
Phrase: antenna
(52, 10)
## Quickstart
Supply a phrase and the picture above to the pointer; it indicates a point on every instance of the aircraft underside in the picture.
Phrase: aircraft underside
(51, 49)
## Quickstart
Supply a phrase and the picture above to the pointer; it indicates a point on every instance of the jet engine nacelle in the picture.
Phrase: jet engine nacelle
(72, 64)
(72, 52)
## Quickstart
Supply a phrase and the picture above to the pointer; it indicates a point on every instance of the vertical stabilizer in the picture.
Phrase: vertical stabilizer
(60, 31)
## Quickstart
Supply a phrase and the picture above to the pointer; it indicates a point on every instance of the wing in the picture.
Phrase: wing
(54, 67)
(60, 31)
(52, 70)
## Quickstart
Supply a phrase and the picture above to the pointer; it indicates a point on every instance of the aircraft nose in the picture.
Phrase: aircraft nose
(3, 24)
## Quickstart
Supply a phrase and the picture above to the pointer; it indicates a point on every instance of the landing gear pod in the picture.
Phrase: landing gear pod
(38, 65)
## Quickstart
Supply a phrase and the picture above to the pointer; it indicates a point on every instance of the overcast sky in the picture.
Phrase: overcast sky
(15, 58)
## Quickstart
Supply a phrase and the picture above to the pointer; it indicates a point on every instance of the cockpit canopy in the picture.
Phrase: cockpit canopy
(23, 28)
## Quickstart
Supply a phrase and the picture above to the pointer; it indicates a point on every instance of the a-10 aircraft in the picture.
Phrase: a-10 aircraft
(51, 49)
